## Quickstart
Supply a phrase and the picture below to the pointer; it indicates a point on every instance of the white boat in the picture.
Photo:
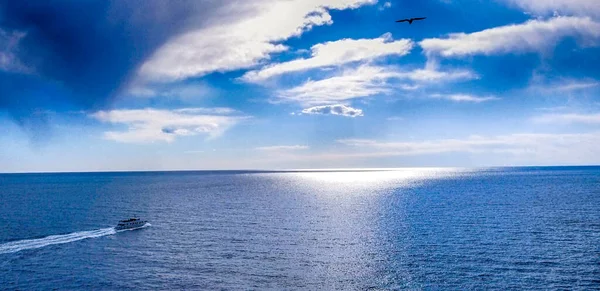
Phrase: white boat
(131, 223)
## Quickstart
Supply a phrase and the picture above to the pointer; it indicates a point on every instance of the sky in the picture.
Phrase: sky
(297, 84)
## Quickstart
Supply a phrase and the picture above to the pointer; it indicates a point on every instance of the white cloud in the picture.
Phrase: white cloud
(335, 53)
(576, 7)
(242, 42)
(464, 98)
(408, 87)
(567, 118)
(365, 81)
(360, 82)
(531, 36)
(338, 109)
(150, 125)
(282, 148)
(385, 6)
(142, 91)
(433, 75)
(562, 86)
(571, 85)
(212, 110)
(577, 86)
(528, 144)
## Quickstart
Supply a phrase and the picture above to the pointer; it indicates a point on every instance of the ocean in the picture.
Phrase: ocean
(458, 229)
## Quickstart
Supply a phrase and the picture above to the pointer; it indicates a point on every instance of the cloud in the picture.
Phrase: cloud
(531, 36)
(365, 81)
(553, 108)
(242, 42)
(385, 6)
(394, 118)
(464, 98)
(9, 42)
(79, 55)
(335, 53)
(576, 7)
(151, 125)
(177, 90)
(521, 144)
(212, 110)
(577, 86)
(510, 149)
(567, 85)
(433, 75)
(282, 148)
(338, 109)
(352, 83)
(568, 118)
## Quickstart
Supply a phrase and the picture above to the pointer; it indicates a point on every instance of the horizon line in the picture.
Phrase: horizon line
(293, 170)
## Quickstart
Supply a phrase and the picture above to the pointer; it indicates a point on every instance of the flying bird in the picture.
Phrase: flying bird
(410, 20)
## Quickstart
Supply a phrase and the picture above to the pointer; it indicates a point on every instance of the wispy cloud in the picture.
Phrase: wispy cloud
(9, 42)
(553, 108)
(434, 75)
(566, 85)
(151, 125)
(531, 36)
(241, 42)
(528, 143)
(336, 53)
(567, 118)
(394, 118)
(385, 5)
(360, 82)
(178, 91)
(338, 109)
(365, 81)
(577, 86)
(280, 148)
(463, 98)
(577, 7)
(522, 149)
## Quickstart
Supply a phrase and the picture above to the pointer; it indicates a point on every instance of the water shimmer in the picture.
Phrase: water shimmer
(507, 228)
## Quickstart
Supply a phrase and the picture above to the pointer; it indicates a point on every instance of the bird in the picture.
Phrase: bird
(410, 20)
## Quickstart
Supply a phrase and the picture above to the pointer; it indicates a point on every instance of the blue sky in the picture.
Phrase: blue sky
(162, 85)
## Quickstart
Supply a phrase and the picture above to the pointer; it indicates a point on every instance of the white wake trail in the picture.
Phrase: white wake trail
(27, 244)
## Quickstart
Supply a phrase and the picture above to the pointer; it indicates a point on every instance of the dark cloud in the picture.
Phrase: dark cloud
(168, 130)
(338, 109)
(80, 54)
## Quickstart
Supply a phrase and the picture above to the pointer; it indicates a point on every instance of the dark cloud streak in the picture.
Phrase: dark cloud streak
(80, 54)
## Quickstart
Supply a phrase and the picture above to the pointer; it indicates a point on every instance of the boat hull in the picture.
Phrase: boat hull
(130, 225)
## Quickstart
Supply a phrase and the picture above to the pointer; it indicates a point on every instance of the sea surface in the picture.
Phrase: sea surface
(457, 229)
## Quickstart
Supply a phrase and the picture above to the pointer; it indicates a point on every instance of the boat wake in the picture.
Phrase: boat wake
(27, 244)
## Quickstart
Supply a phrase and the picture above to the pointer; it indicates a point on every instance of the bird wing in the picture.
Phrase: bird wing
(418, 18)
(402, 20)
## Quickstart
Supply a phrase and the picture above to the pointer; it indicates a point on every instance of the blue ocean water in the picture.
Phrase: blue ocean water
(504, 228)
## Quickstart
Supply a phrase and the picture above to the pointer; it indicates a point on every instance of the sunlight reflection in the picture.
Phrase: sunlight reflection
(368, 181)
(378, 176)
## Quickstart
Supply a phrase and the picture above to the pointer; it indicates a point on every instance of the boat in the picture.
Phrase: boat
(131, 223)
